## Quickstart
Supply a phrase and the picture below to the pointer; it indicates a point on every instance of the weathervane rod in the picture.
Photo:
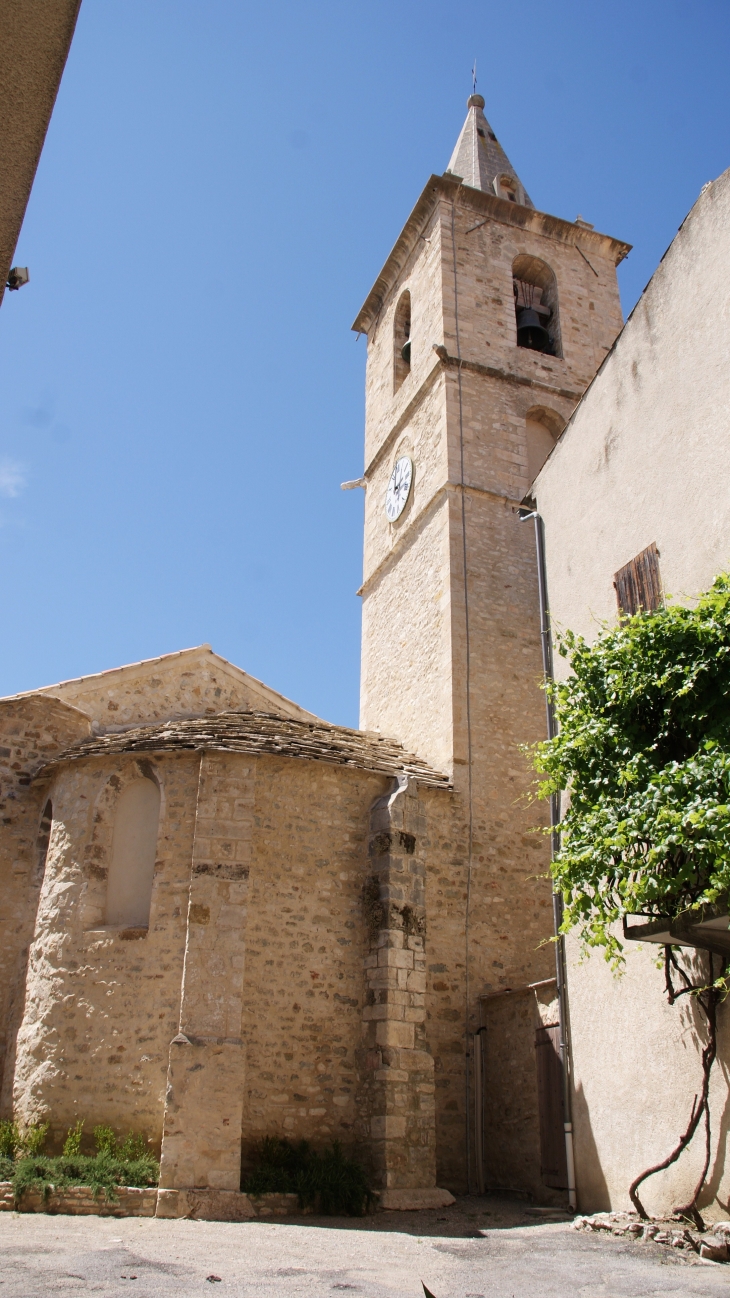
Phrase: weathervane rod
(474, 78)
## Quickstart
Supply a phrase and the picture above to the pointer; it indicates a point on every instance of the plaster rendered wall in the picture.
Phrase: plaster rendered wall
(643, 456)
(645, 459)
(636, 1069)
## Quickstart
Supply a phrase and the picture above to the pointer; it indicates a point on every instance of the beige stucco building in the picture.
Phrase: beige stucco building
(645, 461)
(227, 918)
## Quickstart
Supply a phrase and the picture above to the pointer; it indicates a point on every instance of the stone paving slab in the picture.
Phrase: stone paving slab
(382, 1256)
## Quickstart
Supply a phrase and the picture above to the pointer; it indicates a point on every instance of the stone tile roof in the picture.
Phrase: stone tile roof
(478, 156)
(261, 733)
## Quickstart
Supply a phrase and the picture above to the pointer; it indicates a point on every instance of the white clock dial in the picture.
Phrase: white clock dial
(399, 488)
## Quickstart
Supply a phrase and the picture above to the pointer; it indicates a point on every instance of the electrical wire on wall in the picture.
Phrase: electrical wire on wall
(467, 1097)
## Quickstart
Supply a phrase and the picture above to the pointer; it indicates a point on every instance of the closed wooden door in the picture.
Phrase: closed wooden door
(553, 1166)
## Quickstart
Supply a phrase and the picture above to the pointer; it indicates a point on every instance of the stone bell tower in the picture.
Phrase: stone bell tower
(485, 326)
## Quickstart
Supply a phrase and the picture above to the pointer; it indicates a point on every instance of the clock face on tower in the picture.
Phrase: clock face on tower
(399, 488)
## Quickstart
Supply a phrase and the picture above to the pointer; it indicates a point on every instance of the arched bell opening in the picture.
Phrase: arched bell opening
(536, 305)
(402, 340)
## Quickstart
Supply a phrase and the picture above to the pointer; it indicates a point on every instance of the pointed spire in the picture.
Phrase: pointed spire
(481, 161)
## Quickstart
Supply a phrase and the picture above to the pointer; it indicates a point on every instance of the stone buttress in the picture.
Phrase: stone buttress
(201, 1144)
(396, 1067)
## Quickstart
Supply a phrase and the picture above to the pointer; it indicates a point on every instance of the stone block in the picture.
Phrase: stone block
(388, 1126)
(395, 958)
(399, 1035)
(414, 1199)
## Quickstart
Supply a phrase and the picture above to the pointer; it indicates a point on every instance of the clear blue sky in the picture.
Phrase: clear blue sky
(220, 185)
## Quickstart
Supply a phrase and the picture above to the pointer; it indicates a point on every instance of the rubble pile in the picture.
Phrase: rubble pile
(712, 1245)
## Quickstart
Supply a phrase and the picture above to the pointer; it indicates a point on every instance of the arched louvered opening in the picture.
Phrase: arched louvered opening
(536, 305)
(402, 340)
(134, 848)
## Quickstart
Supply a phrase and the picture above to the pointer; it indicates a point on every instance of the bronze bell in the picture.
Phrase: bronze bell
(405, 352)
(530, 333)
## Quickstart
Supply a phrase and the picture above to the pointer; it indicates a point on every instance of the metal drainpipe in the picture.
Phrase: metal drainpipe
(478, 1054)
(547, 668)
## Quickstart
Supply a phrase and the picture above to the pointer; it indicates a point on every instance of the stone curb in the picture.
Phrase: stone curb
(201, 1204)
(711, 1246)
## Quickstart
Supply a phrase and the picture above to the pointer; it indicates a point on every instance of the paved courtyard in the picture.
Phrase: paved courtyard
(383, 1256)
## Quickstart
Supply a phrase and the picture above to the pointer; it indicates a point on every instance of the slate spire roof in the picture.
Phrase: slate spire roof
(480, 159)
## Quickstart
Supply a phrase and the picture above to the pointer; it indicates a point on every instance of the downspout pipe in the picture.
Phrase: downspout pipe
(560, 970)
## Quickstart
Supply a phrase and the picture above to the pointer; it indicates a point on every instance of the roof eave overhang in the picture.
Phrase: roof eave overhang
(498, 209)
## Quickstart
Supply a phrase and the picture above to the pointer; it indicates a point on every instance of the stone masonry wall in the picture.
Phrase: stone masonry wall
(303, 997)
(489, 910)
(193, 683)
(32, 731)
(205, 1084)
(396, 1069)
(102, 1004)
(240, 1012)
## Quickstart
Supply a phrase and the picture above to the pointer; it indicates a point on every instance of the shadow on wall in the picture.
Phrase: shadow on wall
(636, 1095)
(716, 1177)
(593, 1192)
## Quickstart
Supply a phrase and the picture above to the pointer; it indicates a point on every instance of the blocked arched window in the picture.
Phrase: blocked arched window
(542, 429)
(43, 840)
(402, 340)
(134, 847)
(536, 305)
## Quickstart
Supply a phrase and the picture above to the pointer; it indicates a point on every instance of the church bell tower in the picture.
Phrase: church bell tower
(485, 326)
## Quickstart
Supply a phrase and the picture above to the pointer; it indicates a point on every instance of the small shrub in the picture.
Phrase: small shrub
(134, 1148)
(105, 1140)
(9, 1138)
(33, 1138)
(72, 1143)
(333, 1183)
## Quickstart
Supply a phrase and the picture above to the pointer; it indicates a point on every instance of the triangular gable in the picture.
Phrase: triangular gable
(192, 683)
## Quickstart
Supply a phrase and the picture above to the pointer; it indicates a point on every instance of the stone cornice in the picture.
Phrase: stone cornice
(447, 362)
(490, 208)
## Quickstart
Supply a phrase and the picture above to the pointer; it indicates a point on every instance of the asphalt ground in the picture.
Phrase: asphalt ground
(386, 1255)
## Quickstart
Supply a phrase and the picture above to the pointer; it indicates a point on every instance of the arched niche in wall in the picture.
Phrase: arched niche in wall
(402, 340)
(134, 848)
(537, 318)
(543, 427)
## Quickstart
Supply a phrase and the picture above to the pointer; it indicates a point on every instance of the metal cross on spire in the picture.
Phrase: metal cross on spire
(474, 78)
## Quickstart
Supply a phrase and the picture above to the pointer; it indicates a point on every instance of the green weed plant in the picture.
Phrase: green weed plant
(115, 1163)
(328, 1181)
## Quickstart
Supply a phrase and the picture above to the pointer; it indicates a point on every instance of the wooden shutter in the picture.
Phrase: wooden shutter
(638, 584)
(553, 1166)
